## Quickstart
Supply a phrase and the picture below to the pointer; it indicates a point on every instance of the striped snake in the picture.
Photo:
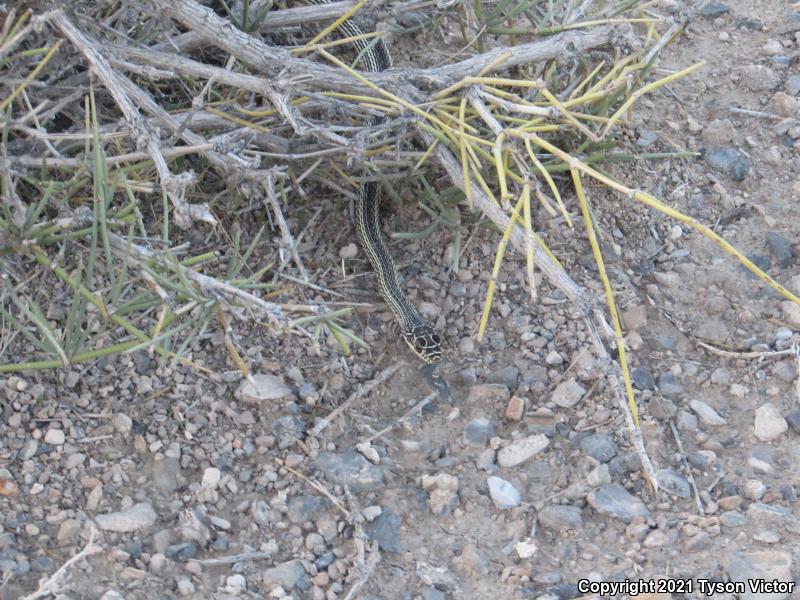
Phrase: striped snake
(418, 334)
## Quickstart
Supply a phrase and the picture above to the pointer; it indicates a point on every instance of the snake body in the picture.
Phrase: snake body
(417, 333)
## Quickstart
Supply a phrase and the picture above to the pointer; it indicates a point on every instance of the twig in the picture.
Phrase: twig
(678, 441)
(286, 235)
(54, 585)
(761, 355)
(174, 185)
(361, 391)
(366, 567)
(232, 559)
(321, 489)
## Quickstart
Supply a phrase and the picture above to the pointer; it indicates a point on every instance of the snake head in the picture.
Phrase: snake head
(425, 343)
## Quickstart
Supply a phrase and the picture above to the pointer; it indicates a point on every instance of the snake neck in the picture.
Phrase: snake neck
(368, 229)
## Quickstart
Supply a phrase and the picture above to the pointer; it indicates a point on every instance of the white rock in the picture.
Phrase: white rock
(185, 587)
(263, 388)
(138, 516)
(526, 548)
(94, 497)
(568, 393)
(521, 450)
(706, 414)
(235, 584)
(55, 437)
(769, 424)
(122, 423)
(211, 477)
(503, 494)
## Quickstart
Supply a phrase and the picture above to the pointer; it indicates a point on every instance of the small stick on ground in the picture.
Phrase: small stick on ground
(361, 391)
(764, 354)
(55, 584)
(321, 489)
(232, 559)
(687, 467)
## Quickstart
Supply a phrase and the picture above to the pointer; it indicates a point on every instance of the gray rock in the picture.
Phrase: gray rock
(714, 9)
(386, 531)
(706, 414)
(782, 249)
(793, 418)
(263, 388)
(721, 376)
(714, 330)
(600, 447)
(615, 501)
(793, 85)
(507, 376)
(733, 162)
(674, 483)
(698, 543)
(182, 552)
(568, 393)
(305, 508)
(431, 593)
(166, 475)
(289, 575)
(138, 516)
(560, 516)
(288, 430)
(642, 378)
(350, 469)
(669, 385)
(702, 460)
(28, 449)
(662, 408)
(504, 495)
(478, 432)
(766, 565)
(732, 518)
(624, 464)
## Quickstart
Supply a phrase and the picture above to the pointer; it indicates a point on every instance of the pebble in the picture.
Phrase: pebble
(782, 248)
(769, 425)
(714, 9)
(304, 508)
(182, 552)
(791, 312)
(674, 483)
(504, 495)
(507, 376)
(54, 437)
(599, 446)
(793, 419)
(263, 388)
(559, 517)
(372, 512)
(288, 575)
(730, 502)
(758, 78)
(478, 432)
(669, 385)
(792, 85)
(663, 408)
(719, 132)
(522, 450)
(385, 530)
(526, 548)
(568, 393)
(235, 584)
(68, 531)
(754, 489)
(785, 105)
(211, 478)
(733, 162)
(554, 359)
(442, 491)
(615, 501)
(647, 137)
(349, 251)
(138, 516)
(706, 414)
(288, 430)
(732, 518)
(642, 378)
(185, 587)
(515, 409)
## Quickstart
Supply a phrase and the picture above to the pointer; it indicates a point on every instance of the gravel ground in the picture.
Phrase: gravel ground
(527, 485)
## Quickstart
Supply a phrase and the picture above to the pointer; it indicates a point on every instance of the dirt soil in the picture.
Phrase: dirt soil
(527, 483)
